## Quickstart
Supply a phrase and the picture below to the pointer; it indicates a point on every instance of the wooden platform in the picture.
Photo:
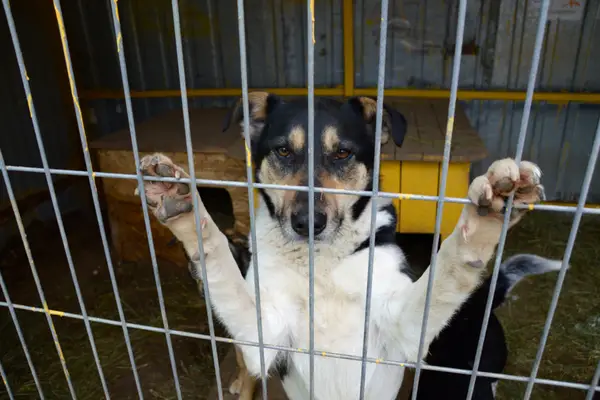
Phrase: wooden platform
(414, 168)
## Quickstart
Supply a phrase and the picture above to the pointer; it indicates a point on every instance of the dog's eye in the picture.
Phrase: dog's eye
(343, 154)
(282, 151)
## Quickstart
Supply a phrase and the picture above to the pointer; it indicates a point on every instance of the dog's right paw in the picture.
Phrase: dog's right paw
(166, 200)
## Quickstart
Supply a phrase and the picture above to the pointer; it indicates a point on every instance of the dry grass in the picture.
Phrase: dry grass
(573, 348)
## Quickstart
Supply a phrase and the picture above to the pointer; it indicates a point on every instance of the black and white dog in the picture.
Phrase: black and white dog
(343, 152)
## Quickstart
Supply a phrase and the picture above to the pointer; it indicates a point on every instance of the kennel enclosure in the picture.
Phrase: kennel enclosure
(116, 47)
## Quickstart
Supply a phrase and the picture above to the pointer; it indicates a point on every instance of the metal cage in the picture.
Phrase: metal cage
(529, 96)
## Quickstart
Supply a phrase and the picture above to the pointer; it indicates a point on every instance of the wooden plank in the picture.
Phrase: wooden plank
(432, 133)
(457, 186)
(165, 133)
(411, 148)
(125, 212)
(418, 178)
(466, 143)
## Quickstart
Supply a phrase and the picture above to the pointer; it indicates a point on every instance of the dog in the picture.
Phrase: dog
(456, 345)
(344, 149)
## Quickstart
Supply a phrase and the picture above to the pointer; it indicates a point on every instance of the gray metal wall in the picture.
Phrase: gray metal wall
(419, 31)
(17, 139)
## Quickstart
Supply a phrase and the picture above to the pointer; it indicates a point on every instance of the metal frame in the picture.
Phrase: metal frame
(453, 94)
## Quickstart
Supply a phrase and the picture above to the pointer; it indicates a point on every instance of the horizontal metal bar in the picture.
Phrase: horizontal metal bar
(562, 97)
(550, 382)
(589, 209)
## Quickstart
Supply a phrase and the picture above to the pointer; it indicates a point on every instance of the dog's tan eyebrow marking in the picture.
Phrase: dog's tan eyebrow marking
(331, 139)
(297, 136)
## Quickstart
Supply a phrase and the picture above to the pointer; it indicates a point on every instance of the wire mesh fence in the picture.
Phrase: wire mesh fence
(591, 387)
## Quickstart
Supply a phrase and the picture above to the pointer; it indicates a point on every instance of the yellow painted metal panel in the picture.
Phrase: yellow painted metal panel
(390, 182)
(418, 178)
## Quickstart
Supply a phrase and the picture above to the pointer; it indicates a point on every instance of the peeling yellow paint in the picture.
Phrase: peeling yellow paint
(58, 348)
(248, 155)
(63, 39)
(30, 105)
(312, 12)
(117, 11)
(449, 129)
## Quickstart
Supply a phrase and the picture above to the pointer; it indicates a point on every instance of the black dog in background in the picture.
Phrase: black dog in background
(456, 345)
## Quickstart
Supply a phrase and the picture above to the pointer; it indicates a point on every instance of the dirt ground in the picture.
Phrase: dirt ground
(572, 352)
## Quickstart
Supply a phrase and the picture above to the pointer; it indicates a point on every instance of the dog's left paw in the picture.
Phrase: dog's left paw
(489, 192)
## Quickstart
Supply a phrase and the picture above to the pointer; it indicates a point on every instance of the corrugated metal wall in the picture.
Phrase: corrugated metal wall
(42, 53)
(420, 33)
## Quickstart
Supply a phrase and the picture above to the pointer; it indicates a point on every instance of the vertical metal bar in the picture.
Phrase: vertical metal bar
(36, 278)
(310, 40)
(249, 177)
(94, 192)
(376, 167)
(136, 156)
(539, 41)
(585, 187)
(11, 308)
(460, 29)
(592, 390)
(63, 234)
(192, 172)
(6, 384)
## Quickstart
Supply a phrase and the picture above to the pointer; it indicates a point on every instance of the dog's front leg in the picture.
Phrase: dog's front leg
(172, 205)
(463, 256)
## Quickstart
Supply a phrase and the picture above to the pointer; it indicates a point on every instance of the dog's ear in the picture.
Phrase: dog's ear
(393, 122)
(260, 104)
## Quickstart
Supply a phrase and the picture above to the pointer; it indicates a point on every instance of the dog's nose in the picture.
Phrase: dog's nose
(300, 223)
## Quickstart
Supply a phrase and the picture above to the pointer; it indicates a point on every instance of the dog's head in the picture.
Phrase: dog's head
(344, 145)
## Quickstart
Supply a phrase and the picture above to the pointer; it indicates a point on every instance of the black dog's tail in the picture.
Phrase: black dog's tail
(514, 269)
